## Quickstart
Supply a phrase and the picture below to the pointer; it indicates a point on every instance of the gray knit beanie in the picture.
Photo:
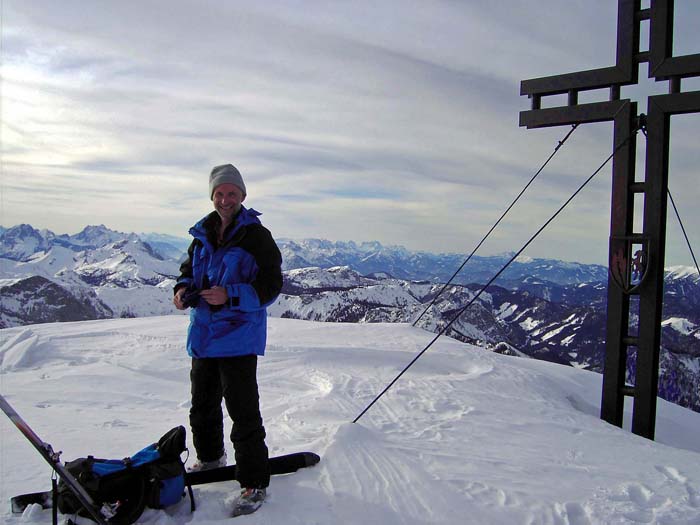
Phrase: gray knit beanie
(223, 174)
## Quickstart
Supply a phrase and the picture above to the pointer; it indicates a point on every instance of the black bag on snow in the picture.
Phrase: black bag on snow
(153, 477)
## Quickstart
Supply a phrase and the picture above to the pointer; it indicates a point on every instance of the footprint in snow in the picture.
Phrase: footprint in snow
(577, 514)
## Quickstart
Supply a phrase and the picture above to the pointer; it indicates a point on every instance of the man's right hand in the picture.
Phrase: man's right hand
(177, 299)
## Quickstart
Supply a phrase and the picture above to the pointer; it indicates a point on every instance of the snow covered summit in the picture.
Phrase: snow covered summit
(465, 436)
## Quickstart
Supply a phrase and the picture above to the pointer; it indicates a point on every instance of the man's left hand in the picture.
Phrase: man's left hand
(215, 296)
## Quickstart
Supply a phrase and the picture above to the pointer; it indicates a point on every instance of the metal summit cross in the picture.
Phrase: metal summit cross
(636, 259)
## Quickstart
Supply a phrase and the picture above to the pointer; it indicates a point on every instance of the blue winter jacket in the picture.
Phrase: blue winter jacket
(248, 264)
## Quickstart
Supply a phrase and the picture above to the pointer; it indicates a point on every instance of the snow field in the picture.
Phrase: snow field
(465, 436)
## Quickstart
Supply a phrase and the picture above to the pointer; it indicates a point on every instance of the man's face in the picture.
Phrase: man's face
(227, 201)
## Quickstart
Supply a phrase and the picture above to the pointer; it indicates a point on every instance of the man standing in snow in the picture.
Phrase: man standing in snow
(233, 271)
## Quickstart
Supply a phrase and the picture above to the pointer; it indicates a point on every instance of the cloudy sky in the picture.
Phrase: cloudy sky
(394, 121)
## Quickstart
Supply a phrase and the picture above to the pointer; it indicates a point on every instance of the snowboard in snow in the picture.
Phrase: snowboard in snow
(53, 459)
(278, 465)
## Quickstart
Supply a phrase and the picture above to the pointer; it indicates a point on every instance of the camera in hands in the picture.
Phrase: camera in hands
(190, 299)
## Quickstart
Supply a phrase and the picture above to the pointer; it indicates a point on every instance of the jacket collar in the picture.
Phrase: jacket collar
(205, 229)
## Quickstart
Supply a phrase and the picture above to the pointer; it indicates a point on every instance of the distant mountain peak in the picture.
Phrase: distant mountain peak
(683, 272)
(97, 236)
(20, 242)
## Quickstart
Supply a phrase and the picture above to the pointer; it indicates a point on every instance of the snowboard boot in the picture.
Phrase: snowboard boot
(200, 465)
(249, 501)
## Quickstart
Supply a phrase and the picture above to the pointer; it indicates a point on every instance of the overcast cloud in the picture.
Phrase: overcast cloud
(391, 121)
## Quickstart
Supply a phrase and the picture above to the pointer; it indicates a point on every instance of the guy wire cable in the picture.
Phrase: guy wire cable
(678, 216)
(478, 294)
(683, 229)
(556, 149)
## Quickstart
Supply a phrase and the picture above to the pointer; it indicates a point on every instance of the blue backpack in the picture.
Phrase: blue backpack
(153, 477)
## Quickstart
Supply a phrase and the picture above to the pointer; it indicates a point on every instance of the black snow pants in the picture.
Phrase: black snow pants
(235, 380)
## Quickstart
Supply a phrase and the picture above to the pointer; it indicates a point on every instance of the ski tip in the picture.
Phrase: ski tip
(311, 459)
(20, 503)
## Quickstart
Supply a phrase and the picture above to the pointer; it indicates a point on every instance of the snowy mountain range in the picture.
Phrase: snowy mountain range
(545, 309)
(372, 257)
(111, 274)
